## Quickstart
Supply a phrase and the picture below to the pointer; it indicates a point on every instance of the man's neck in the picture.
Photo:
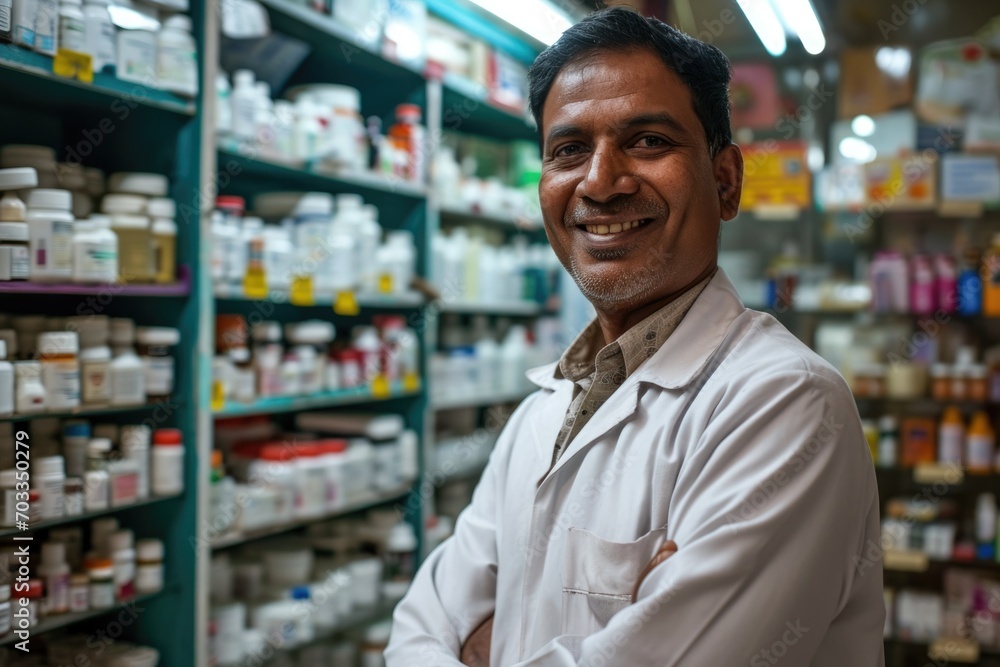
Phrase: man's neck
(614, 323)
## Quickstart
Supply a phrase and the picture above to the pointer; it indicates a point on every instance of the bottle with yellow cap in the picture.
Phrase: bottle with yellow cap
(980, 445)
(951, 436)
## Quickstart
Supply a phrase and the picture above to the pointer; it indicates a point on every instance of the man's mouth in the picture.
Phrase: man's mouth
(614, 228)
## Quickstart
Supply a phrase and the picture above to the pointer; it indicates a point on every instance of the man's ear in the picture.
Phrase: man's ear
(728, 169)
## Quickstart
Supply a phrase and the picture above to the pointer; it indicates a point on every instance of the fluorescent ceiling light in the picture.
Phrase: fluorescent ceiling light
(539, 18)
(863, 126)
(766, 24)
(857, 150)
(799, 17)
(894, 62)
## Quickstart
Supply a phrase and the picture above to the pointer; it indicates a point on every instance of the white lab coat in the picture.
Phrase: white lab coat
(734, 440)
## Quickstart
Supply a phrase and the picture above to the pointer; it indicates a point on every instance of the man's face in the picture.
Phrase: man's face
(631, 197)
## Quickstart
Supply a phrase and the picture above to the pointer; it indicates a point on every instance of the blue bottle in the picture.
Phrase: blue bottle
(970, 287)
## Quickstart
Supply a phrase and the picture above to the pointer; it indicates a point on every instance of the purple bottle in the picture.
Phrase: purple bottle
(922, 286)
(946, 283)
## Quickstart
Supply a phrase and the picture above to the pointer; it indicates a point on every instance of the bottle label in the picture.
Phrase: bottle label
(177, 69)
(96, 262)
(102, 595)
(62, 382)
(20, 261)
(5, 19)
(128, 387)
(72, 34)
(96, 377)
(159, 373)
(980, 452)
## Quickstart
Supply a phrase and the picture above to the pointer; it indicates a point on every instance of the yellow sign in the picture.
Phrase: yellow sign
(346, 303)
(255, 284)
(902, 183)
(301, 293)
(385, 283)
(775, 174)
(73, 65)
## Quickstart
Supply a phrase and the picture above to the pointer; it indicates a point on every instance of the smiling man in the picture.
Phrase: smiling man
(690, 485)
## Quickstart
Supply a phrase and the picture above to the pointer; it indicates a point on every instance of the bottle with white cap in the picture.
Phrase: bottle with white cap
(72, 34)
(243, 100)
(177, 57)
(55, 572)
(95, 251)
(163, 211)
(128, 379)
(122, 546)
(50, 235)
(6, 382)
(58, 354)
(14, 254)
(29, 397)
(99, 34)
(49, 478)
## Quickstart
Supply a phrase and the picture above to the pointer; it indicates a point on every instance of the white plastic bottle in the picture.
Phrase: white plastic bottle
(59, 356)
(49, 478)
(177, 57)
(369, 234)
(23, 32)
(223, 105)
(50, 235)
(46, 26)
(6, 382)
(29, 397)
(99, 35)
(136, 57)
(244, 98)
(95, 251)
(168, 462)
(72, 33)
(313, 220)
(55, 572)
(128, 380)
(512, 356)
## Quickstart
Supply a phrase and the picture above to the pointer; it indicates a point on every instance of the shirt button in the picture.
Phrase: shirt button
(584, 412)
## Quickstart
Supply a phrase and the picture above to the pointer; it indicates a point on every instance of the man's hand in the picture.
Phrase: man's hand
(668, 549)
(476, 651)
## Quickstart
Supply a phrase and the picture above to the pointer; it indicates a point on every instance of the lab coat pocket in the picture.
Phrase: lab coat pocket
(599, 576)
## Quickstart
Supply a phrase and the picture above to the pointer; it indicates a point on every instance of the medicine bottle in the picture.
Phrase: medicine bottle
(29, 392)
(149, 567)
(164, 239)
(79, 596)
(4, 610)
(73, 496)
(177, 57)
(135, 248)
(50, 479)
(99, 34)
(50, 235)
(135, 444)
(168, 462)
(60, 369)
(95, 360)
(55, 573)
(46, 26)
(128, 380)
(14, 253)
(154, 348)
(101, 572)
(95, 251)
(72, 34)
(122, 548)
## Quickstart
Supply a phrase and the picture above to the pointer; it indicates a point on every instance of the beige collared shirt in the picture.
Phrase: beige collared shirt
(597, 371)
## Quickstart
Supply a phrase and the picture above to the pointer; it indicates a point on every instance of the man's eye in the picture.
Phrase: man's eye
(568, 150)
(651, 142)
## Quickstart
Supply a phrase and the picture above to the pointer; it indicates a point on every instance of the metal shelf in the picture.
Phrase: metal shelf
(374, 501)
(77, 518)
(360, 618)
(328, 399)
(31, 74)
(407, 300)
(180, 288)
(50, 623)
(516, 222)
(92, 411)
(525, 308)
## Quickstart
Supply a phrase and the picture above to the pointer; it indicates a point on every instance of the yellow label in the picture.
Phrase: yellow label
(301, 293)
(218, 396)
(255, 284)
(345, 303)
(905, 560)
(385, 283)
(71, 64)
(411, 382)
(380, 386)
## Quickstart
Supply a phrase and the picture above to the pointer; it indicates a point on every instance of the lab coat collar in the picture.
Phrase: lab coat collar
(686, 352)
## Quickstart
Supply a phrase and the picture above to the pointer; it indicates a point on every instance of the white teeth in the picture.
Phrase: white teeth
(612, 229)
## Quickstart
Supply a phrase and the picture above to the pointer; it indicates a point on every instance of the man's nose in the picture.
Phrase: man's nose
(609, 175)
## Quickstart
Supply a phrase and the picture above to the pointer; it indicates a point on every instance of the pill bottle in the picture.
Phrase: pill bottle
(73, 496)
(50, 479)
(79, 595)
(128, 375)
(55, 573)
(29, 392)
(135, 443)
(95, 360)
(95, 251)
(154, 348)
(164, 229)
(15, 258)
(122, 545)
(101, 572)
(168, 462)
(58, 355)
(149, 568)
(6, 382)
(50, 235)
(135, 247)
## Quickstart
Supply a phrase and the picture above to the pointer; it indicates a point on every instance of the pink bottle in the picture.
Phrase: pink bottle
(946, 283)
(888, 277)
(922, 284)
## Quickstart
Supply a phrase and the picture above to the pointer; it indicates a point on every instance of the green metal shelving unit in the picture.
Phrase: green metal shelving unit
(122, 126)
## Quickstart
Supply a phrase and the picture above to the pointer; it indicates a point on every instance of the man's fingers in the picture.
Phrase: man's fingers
(668, 549)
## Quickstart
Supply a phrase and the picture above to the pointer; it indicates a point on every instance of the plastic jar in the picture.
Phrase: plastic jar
(60, 369)
(50, 235)
(49, 478)
(128, 374)
(79, 595)
(6, 382)
(123, 482)
(4, 610)
(29, 396)
(165, 249)
(135, 444)
(977, 383)
(73, 496)
(95, 373)
(141, 183)
(95, 487)
(312, 474)
(55, 573)
(15, 258)
(99, 33)
(311, 340)
(267, 353)
(8, 518)
(275, 468)
(334, 457)
(101, 572)
(177, 57)
(400, 552)
(154, 345)
(168, 462)
(34, 596)
(135, 248)
(76, 437)
(122, 547)
(149, 566)
(72, 35)
(95, 251)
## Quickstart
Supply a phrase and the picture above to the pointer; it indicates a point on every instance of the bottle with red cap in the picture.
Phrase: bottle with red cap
(168, 462)
(407, 138)
(227, 237)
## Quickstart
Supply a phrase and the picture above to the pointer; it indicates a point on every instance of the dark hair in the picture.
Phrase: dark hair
(703, 68)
